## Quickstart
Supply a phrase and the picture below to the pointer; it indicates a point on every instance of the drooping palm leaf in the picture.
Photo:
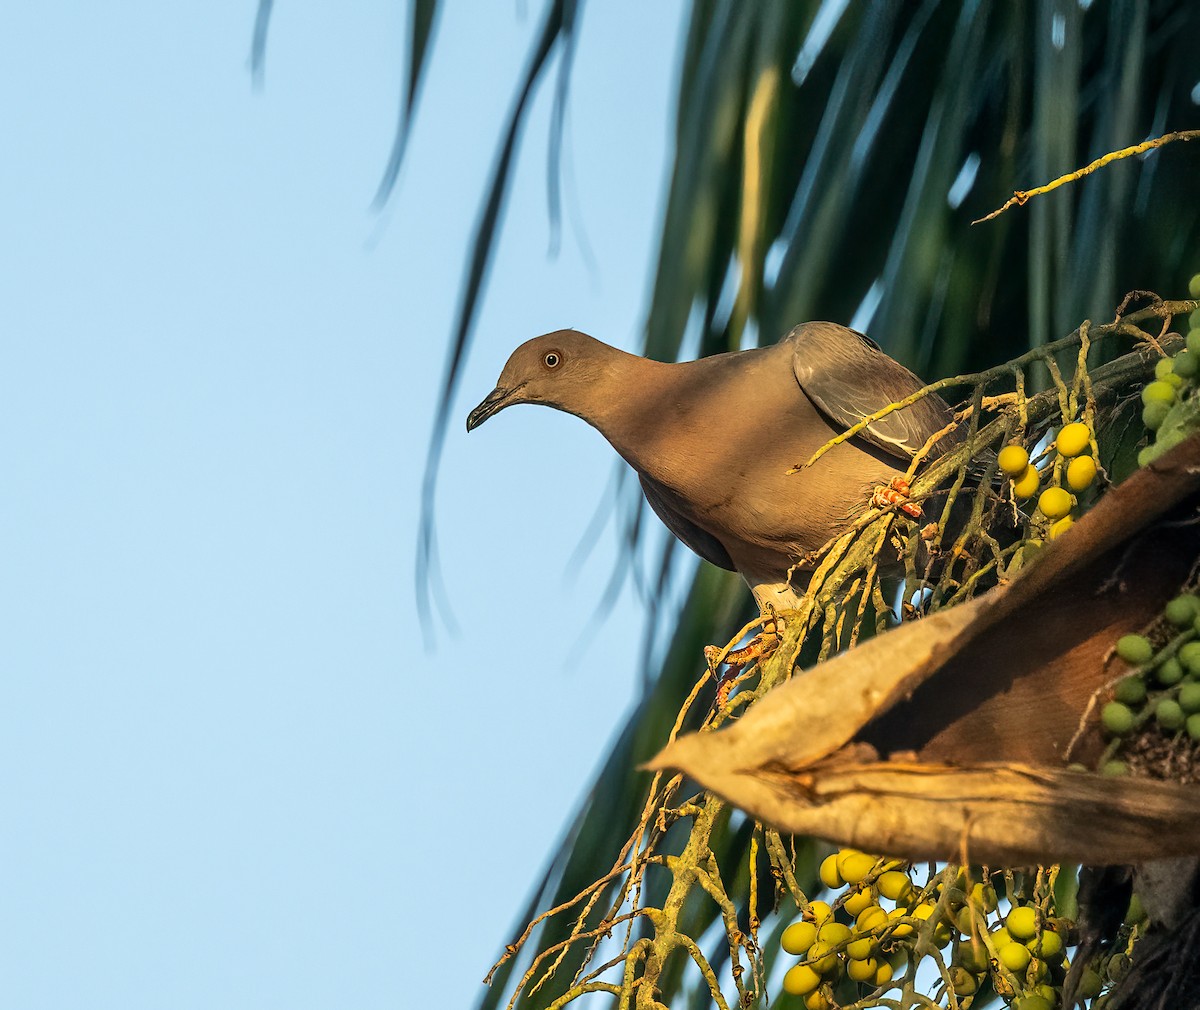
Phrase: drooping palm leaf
(556, 32)
(258, 41)
(422, 14)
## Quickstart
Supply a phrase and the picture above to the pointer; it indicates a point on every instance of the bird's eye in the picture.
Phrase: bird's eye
(552, 359)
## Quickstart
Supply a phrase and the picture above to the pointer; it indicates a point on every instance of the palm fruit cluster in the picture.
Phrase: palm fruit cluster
(1170, 403)
(1163, 685)
(869, 932)
(1072, 471)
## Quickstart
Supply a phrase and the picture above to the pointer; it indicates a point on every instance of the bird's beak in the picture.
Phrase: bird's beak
(493, 403)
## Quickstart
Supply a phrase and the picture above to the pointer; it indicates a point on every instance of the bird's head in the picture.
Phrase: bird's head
(558, 369)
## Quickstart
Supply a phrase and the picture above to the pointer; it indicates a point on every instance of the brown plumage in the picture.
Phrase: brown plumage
(712, 440)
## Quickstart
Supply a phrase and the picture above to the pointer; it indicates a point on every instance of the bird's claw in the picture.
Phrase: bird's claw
(761, 646)
(896, 493)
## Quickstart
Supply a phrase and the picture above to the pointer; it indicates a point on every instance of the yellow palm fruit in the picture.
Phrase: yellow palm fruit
(1055, 502)
(1081, 471)
(1060, 527)
(1027, 484)
(833, 933)
(895, 885)
(817, 1001)
(861, 949)
(1073, 439)
(855, 866)
(1013, 459)
(819, 911)
(862, 971)
(822, 958)
(800, 980)
(869, 918)
(829, 873)
(859, 901)
(798, 937)
(1021, 922)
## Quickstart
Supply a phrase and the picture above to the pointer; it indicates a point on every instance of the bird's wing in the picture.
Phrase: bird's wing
(693, 537)
(848, 377)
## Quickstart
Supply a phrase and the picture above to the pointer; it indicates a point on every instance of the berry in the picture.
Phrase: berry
(903, 929)
(1038, 970)
(1164, 367)
(1182, 610)
(1027, 484)
(1114, 769)
(1187, 364)
(1135, 913)
(1047, 945)
(1090, 984)
(1022, 922)
(1167, 440)
(1149, 454)
(984, 896)
(870, 918)
(1059, 527)
(819, 911)
(1081, 473)
(817, 1001)
(1134, 649)
(1013, 459)
(833, 933)
(861, 949)
(1032, 1001)
(1073, 438)
(801, 980)
(1158, 391)
(822, 959)
(798, 937)
(859, 901)
(1117, 718)
(883, 974)
(1014, 956)
(856, 866)
(1189, 697)
(862, 970)
(1131, 690)
(829, 873)
(1193, 726)
(963, 982)
(972, 956)
(1189, 656)
(1169, 672)
(1194, 286)
(1153, 415)
(895, 885)
(1169, 715)
(1055, 502)
(1193, 337)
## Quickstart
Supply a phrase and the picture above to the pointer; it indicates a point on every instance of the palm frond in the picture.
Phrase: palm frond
(422, 16)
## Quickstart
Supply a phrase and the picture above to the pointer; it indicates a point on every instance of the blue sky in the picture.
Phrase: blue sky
(230, 773)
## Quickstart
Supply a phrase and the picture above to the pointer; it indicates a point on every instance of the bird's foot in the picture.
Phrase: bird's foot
(896, 493)
(735, 661)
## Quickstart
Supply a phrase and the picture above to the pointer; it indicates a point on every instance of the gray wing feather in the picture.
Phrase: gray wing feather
(848, 377)
(692, 536)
